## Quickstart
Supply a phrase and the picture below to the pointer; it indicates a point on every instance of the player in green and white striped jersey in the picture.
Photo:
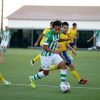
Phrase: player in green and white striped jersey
(50, 56)
(96, 38)
(6, 35)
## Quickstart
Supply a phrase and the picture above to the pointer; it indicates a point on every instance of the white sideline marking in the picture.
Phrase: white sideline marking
(57, 86)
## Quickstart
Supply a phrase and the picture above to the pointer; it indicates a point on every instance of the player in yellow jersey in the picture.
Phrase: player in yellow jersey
(72, 33)
(4, 81)
(41, 40)
(62, 47)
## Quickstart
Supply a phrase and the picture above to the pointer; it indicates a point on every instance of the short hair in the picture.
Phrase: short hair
(57, 23)
(51, 22)
(74, 24)
(65, 23)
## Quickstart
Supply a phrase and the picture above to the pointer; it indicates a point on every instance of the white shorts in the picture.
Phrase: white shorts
(47, 61)
(98, 44)
(4, 43)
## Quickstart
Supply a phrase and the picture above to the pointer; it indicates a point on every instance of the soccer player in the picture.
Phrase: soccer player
(72, 33)
(64, 55)
(41, 40)
(4, 81)
(49, 55)
(96, 38)
(6, 35)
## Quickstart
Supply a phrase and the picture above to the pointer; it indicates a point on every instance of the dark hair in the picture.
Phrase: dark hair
(65, 23)
(51, 22)
(74, 24)
(57, 23)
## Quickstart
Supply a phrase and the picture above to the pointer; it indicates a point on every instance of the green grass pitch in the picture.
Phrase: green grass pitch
(16, 68)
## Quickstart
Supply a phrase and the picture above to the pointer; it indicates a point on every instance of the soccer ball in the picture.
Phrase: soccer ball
(65, 87)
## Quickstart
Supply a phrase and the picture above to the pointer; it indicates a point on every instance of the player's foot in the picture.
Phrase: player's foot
(6, 82)
(82, 81)
(32, 62)
(32, 84)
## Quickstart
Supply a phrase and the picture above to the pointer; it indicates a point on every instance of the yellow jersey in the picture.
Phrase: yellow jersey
(72, 34)
(44, 32)
(62, 46)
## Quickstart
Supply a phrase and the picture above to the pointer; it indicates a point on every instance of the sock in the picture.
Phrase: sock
(63, 75)
(1, 77)
(39, 75)
(76, 75)
(53, 67)
(36, 57)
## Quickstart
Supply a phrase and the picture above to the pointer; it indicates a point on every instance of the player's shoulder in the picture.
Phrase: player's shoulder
(47, 29)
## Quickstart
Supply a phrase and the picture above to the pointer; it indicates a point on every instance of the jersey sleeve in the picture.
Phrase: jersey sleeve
(47, 39)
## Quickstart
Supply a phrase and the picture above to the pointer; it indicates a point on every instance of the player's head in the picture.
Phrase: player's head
(65, 27)
(74, 25)
(51, 24)
(57, 26)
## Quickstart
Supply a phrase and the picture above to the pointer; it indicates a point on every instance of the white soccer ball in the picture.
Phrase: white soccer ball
(65, 87)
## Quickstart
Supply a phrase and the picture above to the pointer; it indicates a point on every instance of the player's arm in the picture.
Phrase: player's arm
(38, 40)
(46, 43)
(90, 38)
(62, 40)
(45, 47)
(73, 51)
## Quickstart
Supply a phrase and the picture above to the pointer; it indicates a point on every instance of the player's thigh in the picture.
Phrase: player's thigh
(57, 59)
(46, 62)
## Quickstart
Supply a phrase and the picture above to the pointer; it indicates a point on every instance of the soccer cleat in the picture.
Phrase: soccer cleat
(6, 82)
(82, 81)
(33, 84)
(32, 62)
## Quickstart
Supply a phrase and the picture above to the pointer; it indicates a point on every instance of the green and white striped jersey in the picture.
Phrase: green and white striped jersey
(6, 35)
(51, 40)
(97, 35)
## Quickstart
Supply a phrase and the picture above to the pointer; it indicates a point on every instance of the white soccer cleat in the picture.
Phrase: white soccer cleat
(6, 82)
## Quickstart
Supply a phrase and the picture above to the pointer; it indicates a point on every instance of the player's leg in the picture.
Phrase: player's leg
(45, 63)
(60, 65)
(72, 69)
(2, 79)
(1, 54)
(36, 58)
(73, 45)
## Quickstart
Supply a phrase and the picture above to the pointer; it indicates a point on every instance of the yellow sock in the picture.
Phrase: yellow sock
(76, 75)
(53, 67)
(1, 77)
(36, 57)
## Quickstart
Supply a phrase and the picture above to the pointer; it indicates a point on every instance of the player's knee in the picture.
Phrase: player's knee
(68, 62)
(40, 69)
(45, 72)
(61, 65)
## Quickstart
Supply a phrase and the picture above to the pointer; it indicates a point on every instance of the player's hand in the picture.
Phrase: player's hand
(74, 52)
(88, 41)
(36, 44)
(57, 51)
